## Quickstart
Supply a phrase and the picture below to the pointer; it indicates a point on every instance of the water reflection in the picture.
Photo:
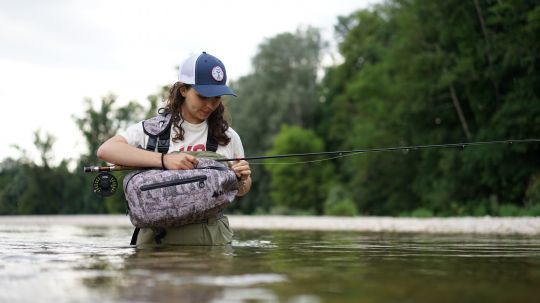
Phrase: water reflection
(192, 273)
(62, 263)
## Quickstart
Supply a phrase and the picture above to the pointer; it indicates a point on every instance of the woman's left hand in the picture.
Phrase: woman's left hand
(241, 169)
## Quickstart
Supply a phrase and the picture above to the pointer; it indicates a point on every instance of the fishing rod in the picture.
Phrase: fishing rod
(105, 184)
(89, 169)
(384, 149)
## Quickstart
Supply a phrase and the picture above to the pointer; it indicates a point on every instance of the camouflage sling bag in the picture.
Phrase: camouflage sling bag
(172, 198)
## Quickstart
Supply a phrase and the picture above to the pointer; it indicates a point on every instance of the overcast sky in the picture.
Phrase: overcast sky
(55, 53)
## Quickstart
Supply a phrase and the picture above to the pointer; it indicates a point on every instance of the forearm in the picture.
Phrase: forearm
(243, 187)
(116, 150)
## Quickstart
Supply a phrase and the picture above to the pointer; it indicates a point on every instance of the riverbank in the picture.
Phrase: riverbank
(470, 225)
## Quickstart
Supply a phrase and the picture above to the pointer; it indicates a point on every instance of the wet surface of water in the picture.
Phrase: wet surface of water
(66, 263)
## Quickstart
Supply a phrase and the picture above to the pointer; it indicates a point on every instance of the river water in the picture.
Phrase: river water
(74, 263)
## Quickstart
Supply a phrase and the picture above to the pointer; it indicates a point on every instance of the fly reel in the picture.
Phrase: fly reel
(105, 184)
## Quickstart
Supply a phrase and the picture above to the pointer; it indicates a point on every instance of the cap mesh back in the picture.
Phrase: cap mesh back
(187, 70)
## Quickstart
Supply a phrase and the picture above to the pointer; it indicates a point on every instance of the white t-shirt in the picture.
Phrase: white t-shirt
(195, 136)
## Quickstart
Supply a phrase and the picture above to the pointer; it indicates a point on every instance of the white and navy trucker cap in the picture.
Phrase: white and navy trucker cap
(206, 74)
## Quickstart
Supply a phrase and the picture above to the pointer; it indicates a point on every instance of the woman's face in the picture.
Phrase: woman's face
(197, 108)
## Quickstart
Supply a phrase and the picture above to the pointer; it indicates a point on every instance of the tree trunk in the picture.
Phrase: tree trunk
(459, 111)
(488, 52)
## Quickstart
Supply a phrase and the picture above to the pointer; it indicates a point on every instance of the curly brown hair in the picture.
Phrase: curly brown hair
(217, 124)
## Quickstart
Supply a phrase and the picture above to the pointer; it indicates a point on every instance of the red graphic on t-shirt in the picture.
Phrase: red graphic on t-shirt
(198, 147)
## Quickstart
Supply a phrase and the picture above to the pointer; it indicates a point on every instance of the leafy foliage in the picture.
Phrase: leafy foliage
(301, 186)
(339, 202)
(418, 72)
(282, 89)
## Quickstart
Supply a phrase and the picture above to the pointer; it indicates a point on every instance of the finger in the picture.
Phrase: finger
(244, 170)
(240, 167)
(241, 163)
(192, 159)
(181, 165)
(186, 164)
(245, 174)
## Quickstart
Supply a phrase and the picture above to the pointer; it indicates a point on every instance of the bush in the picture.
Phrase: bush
(533, 211)
(532, 195)
(300, 186)
(286, 211)
(421, 213)
(339, 203)
(509, 210)
(341, 208)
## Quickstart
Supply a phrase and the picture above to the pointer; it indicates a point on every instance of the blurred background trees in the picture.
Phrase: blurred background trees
(418, 72)
(40, 188)
(410, 72)
(282, 89)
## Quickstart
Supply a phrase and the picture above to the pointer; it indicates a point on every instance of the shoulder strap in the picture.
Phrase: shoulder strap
(134, 236)
(158, 130)
(151, 144)
(211, 144)
(164, 140)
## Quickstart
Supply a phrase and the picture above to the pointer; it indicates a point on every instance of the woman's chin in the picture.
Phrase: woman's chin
(203, 116)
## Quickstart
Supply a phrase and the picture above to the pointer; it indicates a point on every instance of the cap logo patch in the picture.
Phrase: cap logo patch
(217, 73)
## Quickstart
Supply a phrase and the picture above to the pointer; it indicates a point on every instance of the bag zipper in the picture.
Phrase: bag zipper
(199, 179)
(221, 168)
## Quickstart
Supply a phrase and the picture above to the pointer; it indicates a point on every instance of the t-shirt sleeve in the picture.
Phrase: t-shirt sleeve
(236, 144)
(134, 135)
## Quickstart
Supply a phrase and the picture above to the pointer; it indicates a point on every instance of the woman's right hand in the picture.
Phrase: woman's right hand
(179, 161)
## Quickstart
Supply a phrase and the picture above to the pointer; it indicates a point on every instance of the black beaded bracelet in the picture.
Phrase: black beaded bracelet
(162, 162)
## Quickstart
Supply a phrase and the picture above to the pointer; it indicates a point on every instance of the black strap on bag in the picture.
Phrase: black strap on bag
(134, 236)
(162, 143)
(211, 143)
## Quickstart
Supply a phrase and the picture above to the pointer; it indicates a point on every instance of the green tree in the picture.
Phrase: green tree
(13, 181)
(98, 125)
(299, 186)
(282, 88)
(44, 146)
(30, 188)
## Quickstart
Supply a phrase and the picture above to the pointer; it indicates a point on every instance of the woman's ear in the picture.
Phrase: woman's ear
(183, 91)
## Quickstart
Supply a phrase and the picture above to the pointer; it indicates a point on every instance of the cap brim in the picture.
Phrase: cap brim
(210, 91)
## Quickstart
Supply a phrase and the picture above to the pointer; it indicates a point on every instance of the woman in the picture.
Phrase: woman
(196, 107)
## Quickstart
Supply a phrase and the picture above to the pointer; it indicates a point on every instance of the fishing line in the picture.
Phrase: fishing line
(304, 162)
(341, 154)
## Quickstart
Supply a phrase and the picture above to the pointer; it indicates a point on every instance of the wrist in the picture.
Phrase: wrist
(244, 185)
